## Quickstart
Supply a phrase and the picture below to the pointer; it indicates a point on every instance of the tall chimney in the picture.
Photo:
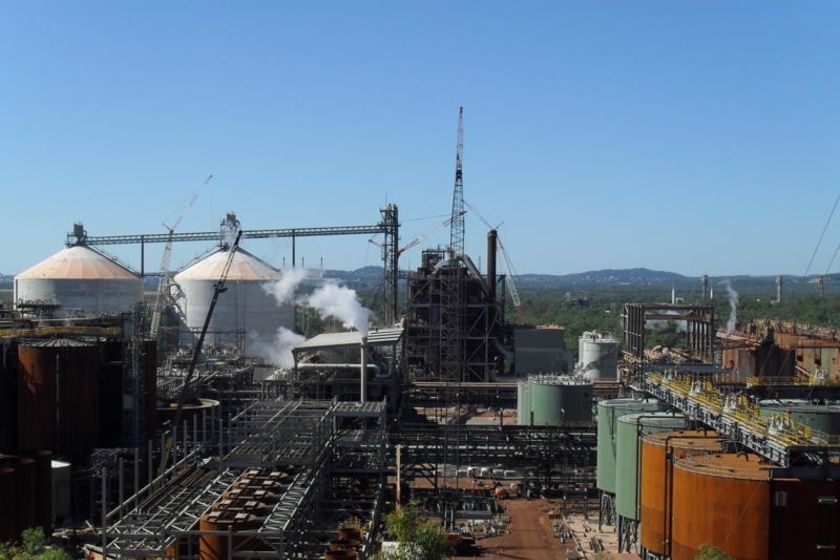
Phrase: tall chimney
(491, 264)
(704, 286)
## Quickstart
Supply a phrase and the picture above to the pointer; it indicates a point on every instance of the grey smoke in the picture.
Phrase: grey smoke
(733, 306)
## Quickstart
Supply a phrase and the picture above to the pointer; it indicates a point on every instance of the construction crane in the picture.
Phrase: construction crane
(218, 288)
(456, 234)
(420, 238)
(163, 283)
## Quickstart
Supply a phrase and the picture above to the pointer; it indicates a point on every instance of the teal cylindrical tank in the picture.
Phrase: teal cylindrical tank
(608, 413)
(557, 399)
(823, 418)
(629, 429)
(523, 403)
(772, 407)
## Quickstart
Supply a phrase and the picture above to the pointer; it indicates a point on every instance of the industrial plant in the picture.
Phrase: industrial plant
(149, 413)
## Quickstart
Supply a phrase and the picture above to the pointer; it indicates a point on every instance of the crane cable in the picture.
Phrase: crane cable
(822, 234)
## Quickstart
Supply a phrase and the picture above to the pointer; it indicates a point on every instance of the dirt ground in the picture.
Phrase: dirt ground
(530, 535)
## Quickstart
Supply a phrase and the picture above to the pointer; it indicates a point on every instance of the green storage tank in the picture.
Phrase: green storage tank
(608, 413)
(823, 418)
(559, 399)
(523, 403)
(628, 454)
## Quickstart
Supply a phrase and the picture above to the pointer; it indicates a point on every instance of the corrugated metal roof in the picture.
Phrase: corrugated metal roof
(77, 263)
(245, 266)
(376, 337)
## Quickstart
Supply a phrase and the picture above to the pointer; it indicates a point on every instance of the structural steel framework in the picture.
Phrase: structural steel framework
(699, 326)
(320, 442)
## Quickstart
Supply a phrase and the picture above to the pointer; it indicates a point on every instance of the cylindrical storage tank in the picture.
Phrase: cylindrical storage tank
(43, 490)
(523, 403)
(659, 451)
(8, 502)
(61, 490)
(58, 389)
(8, 394)
(598, 355)
(80, 281)
(200, 408)
(823, 418)
(216, 547)
(628, 455)
(724, 501)
(557, 399)
(608, 413)
(247, 313)
(25, 482)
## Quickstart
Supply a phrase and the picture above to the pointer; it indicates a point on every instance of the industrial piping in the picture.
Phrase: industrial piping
(492, 240)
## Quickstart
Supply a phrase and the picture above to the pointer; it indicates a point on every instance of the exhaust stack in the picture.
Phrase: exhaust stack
(491, 263)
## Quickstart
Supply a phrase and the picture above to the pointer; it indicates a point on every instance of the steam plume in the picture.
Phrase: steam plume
(278, 352)
(733, 306)
(340, 302)
(283, 290)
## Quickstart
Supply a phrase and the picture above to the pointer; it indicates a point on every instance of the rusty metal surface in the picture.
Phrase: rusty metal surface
(724, 501)
(58, 389)
(657, 480)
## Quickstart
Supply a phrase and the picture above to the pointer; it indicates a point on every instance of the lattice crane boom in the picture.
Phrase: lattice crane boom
(456, 235)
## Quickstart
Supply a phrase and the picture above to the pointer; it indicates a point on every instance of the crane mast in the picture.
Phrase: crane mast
(456, 234)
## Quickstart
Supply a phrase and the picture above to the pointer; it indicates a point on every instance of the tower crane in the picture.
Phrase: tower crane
(456, 234)
(218, 288)
(163, 283)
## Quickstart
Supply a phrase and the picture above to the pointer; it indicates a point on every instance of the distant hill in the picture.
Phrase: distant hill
(598, 278)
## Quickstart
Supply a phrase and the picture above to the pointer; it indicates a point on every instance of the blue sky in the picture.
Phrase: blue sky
(697, 137)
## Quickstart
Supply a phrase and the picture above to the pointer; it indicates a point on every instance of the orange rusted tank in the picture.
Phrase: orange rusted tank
(730, 502)
(8, 503)
(659, 451)
(218, 547)
(58, 389)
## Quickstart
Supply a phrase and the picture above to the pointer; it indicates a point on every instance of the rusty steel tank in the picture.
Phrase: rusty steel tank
(43, 490)
(8, 395)
(8, 502)
(731, 502)
(58, 389)
(659, 451)
(217, 547)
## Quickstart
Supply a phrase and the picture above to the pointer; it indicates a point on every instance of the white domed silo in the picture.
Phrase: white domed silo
(598, 354)
(245, 314)
(78, 280)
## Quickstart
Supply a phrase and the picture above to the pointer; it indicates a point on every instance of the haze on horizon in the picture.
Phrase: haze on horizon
(691, 138)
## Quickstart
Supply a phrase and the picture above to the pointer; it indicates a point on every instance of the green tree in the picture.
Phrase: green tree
(709, 552)
(419, 539)
(33, 547)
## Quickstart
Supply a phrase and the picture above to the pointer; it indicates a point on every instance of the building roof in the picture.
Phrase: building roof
(376, 337)
(77, 263)
(245, 266)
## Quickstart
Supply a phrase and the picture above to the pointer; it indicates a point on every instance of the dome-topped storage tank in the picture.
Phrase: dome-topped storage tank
(598, 355)
(246, 314)
(78, 280)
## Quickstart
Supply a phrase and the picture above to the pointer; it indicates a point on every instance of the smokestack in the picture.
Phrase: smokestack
(491, 263)
(779, 288)
(704, 286)
(673, 295)
(363, 372)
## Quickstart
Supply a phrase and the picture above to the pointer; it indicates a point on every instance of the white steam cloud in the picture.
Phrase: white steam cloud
(733, 306)
(283, 290)
(340, 302)
(329, 300)
(277, 352)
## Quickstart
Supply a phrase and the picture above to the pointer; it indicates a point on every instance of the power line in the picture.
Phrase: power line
(819, 241)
